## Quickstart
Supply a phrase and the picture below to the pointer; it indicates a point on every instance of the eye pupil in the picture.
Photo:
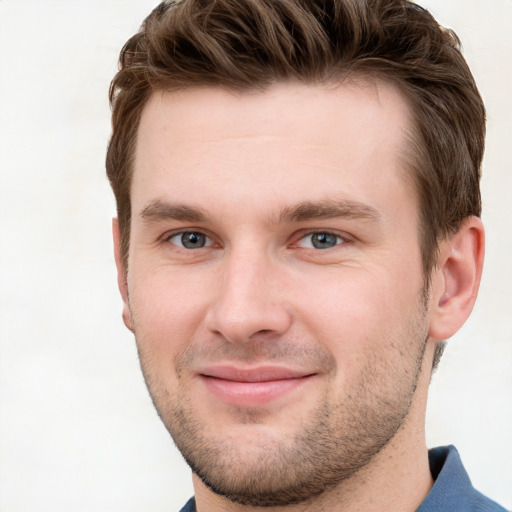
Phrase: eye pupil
(323, 240)
(193, 240)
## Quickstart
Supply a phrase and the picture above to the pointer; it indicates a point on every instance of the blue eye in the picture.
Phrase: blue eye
(320, 240)
(190, 240)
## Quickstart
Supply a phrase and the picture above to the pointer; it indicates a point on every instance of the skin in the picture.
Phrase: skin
(266, 355)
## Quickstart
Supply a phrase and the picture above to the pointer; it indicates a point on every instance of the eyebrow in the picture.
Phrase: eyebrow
(328, 209)
(158, 211)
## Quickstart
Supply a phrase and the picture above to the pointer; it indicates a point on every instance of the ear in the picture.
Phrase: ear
(122, 275)
(456, 279)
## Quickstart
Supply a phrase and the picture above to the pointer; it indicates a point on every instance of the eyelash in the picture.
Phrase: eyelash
(340, 239)
(199, 233)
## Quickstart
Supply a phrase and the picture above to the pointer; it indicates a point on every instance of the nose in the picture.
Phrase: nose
(249, 301)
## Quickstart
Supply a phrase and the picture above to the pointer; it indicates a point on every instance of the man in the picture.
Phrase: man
(298, 232)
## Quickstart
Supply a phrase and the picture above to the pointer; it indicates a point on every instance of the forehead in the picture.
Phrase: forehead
(289, 138)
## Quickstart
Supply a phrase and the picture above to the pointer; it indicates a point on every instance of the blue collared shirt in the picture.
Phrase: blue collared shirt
(452, 490)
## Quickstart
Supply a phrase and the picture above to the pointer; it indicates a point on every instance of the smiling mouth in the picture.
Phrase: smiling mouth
(252, 387)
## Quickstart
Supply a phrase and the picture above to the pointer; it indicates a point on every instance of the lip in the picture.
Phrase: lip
(252, 387)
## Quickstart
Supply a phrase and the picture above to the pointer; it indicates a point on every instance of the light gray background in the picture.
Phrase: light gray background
(77, 429)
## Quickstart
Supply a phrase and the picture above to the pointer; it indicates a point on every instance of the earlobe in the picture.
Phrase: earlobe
(121, 275)
(456, 279)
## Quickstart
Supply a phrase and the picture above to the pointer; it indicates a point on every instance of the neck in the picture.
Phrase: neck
(398, 482)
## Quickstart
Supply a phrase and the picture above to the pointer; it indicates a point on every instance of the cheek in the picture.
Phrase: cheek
(167, 310)
(359, 308)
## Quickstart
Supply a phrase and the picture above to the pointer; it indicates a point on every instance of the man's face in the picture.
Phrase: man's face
(275, 284)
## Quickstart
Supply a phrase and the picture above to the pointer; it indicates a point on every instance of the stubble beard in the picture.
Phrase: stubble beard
(336, 442)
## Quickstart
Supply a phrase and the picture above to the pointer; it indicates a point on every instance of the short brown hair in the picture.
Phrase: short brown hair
(250, 44)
